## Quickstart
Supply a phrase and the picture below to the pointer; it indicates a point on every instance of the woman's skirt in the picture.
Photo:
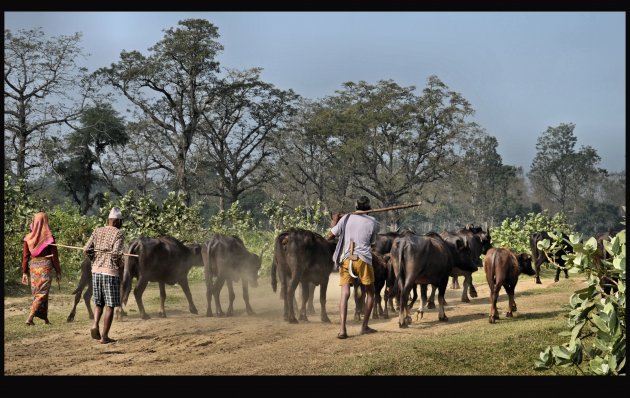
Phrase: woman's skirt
(41, 276)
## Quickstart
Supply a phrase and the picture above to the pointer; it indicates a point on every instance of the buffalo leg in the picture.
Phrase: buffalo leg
(304, 288)
(359, 300)
(455, 283)
(291, 297)
(511, 303)
(441, 302)
(208, 277)
(191, 305)
(87, 296)
(423, 300)
(378, 309)
(231, 297)
(323, 287)
(284, 293)
(77, 298)
(216, 292)
(310, 310)
(414, 297)
(162, 313)
(494, 297)
(431, 304)
(467, 284)
(538, 274)
(248, 307)
(473, 291)
(403, 314)
(137, 292)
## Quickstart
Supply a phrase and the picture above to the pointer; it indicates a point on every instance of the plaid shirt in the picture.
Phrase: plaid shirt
(107, 242)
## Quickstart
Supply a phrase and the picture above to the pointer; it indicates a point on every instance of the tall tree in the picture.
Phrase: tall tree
(172, 87)
(560, 175)
(102, 128)
(43, 87)
(136, 165)
(394, 141)
(238, 130)
(304, 160)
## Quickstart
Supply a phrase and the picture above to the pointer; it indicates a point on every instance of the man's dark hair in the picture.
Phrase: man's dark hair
(363, 203)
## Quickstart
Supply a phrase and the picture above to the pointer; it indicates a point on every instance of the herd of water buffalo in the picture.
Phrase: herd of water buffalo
(401, 261)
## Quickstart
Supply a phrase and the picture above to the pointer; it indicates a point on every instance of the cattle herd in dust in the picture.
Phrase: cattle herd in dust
(401, 260)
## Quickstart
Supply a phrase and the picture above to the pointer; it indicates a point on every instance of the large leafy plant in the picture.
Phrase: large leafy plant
(597, 320)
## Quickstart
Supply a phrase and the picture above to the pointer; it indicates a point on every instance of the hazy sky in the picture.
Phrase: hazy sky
(521, 71)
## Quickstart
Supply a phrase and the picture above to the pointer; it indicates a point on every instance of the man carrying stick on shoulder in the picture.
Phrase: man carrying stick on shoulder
(105, 249)
(357, 233)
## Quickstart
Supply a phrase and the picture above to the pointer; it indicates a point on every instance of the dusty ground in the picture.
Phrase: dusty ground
(263, 344)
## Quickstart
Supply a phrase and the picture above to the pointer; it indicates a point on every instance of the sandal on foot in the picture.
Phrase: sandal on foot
(96, 335)
(368, 330)
(29, 323)
(342, 336)
(107, 341)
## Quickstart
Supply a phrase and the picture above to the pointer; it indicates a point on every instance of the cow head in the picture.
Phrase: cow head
(464, 252)
(195, 254)
(252, 268)
(525, 264)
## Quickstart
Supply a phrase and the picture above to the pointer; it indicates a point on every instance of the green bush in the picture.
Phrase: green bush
(19, 209)
(597, 320)
(514, 233)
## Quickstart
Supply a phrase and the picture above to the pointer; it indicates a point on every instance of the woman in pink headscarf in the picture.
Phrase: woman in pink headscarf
(43, 257)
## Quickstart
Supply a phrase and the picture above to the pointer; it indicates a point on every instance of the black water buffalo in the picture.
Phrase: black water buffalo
(382, 249)
(479, 242)
(227, 259)
(165, 260)
(539, 257)
(502, 268)
(301, 257)
(84, 281)
(425, 259)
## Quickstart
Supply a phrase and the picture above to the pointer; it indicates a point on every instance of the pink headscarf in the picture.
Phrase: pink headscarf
(40, 235)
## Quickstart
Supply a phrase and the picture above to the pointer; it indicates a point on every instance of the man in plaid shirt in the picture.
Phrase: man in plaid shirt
(105, 249)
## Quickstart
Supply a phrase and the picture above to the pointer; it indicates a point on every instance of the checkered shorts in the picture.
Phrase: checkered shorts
(106, 290)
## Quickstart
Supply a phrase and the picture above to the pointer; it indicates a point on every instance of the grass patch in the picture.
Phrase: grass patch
(481, 349)
(15, 327)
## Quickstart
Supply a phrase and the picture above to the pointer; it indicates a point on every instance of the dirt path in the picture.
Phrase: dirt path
(263, 344)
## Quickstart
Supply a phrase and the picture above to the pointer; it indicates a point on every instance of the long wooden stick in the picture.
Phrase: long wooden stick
(386, 208)
(80, 248)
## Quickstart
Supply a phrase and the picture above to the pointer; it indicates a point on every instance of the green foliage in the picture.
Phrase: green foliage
(19, 209)
(281, 217)
(71, 228)
(515, 232)
(597, 320)
(234, 221)
(142, 216)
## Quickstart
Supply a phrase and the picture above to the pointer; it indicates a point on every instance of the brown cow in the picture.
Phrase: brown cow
(502, 268)
(301, 257)
(227, 259)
